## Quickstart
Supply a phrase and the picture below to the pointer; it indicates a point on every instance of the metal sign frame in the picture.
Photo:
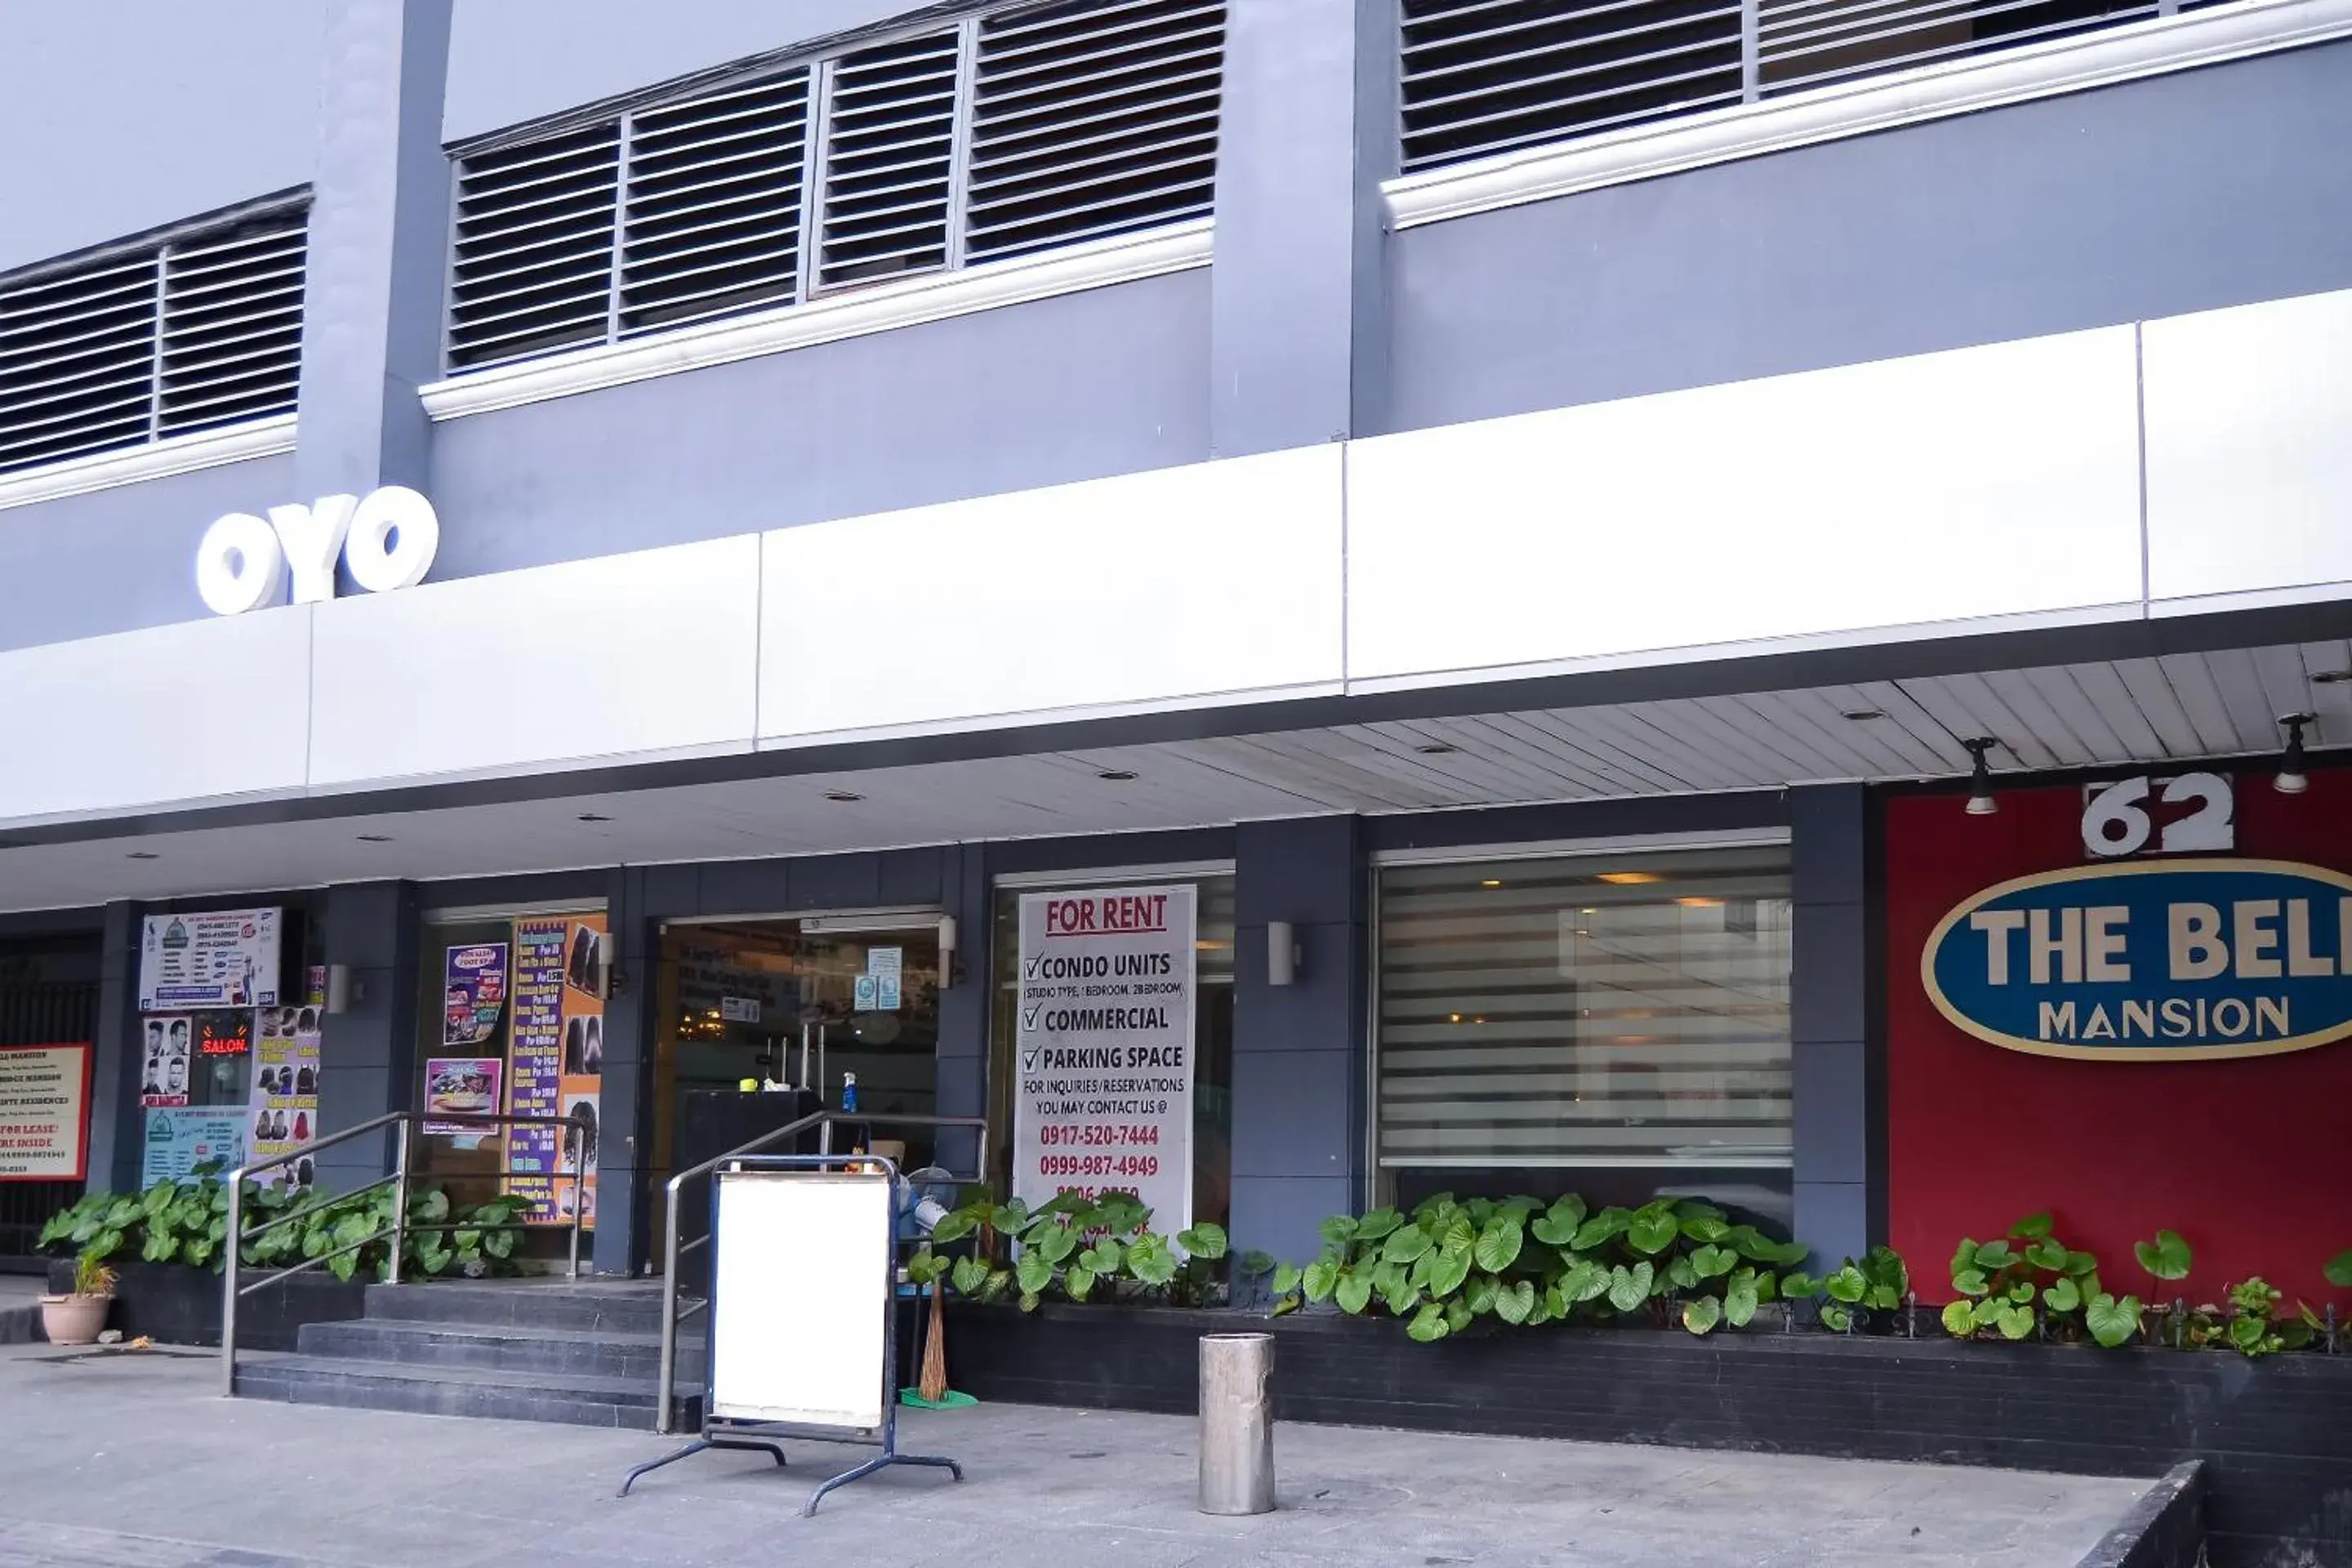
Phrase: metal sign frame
(767, 1436)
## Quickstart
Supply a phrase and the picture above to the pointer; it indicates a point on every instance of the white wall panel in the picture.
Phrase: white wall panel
(647, 653)
(1215, 579)
(2250, 447)
(172, 713)
(1991, 481)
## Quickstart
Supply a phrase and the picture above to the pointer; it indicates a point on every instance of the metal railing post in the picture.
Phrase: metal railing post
(403, 1130)
(664, 1393)
(233, 1239)
(575, 1145)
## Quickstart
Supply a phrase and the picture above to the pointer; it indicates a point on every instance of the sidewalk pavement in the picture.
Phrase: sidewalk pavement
(131, 1459)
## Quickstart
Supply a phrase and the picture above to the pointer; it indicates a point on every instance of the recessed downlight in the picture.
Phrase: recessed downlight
(1861, 715)
(1436, 748)
(1631, 879)
(593, 817)
(1116, 775)
(844, 795)
(375, 837)
(143, 855)
(2332, 678)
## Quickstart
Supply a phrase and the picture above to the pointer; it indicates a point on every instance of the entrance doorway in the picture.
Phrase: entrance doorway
(806, 1004)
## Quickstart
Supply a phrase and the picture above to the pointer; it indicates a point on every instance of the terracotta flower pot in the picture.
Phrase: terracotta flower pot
(74, 1320)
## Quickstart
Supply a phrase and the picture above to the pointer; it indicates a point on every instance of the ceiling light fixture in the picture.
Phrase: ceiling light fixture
(844, 795)
(1980, 800)
(143, 855)
(2292, 779)
(1631, 879)
(1116, 775)
(1435, 749)
(593, 817)
(1491, 882)
(375, 837)
(2332, 678)
(1861, 715)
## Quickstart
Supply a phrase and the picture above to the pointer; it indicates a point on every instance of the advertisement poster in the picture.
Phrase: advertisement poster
(225, 1034)
(284, 1101)
(43, 1112)
(461, 1086)
(474, 993)
(181, 1138)
(165, 1065)
(1103, 1094)
(555, 1058)
(220, 958)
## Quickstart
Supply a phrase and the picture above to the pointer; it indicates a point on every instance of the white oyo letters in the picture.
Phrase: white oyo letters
(239, 565)
(386, 540)
(312, 536)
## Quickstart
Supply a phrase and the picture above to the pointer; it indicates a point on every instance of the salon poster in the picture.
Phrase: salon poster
(555, 1059)
(219, 958)
(165, 1064)
(474, 994)
(283, 1108)
(179, 1138)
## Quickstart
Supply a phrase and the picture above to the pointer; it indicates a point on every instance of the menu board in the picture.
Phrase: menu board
(43, 1112)
(284, 1099)
(555, 1060)
(217, 958)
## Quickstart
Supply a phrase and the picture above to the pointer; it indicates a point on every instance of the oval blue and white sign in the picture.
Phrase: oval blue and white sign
(2156, 961)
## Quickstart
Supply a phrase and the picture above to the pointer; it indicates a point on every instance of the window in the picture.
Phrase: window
(1628, 1010)
(998, 136)
(1481, 76)
(189, 334)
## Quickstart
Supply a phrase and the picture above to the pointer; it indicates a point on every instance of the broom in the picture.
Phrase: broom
(933, 1385)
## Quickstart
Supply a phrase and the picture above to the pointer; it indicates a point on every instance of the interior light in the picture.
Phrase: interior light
(1631, 879)
(1980, 800)
(842, 795)
(1491, 883)
(2292, 780)
(1697, 904)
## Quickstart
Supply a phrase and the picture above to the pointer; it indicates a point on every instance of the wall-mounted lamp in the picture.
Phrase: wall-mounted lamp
(2292, 779)
(947, 951)
(1980, 800)
(342, 989)
(1282, 953)
(608, 978)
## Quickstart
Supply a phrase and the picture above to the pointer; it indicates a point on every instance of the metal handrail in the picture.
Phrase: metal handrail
(665, 1399)
(398, 1230)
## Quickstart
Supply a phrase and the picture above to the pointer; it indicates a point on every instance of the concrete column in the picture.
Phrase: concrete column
(1299, 323)
(367, 1055)
(378, 235)
(1840, 1174)
(963, 1083)
(1299, 1049)
(622, 1236)
(117, 1125)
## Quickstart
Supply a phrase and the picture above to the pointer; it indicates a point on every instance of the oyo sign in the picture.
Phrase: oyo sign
(386, 540)
(2153, 961)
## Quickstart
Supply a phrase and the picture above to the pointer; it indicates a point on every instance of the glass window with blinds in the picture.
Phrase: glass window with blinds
(1016, 130)
(1628, 1009)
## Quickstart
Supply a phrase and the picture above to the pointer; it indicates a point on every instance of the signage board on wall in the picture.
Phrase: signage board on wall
(555, 1060)
(283, 1102)
(182, 1137)
(43, 1113)
(2150, 960)
(226, 1033)
(218, 958)
(1103, 1049)
(461, 1086)
(165, 1061)
(474, 994)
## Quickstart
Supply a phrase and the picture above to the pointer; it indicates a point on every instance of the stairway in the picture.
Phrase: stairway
(584, 1353)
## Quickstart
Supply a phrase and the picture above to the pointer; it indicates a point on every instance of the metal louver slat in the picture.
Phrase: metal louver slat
(1091, 120)
(534, 246)
(76, 363)
(714, 205)
(1810, 43)
(232, 330)
(888, 162)
(1628, 1011)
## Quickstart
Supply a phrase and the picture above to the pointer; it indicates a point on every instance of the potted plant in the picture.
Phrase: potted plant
(75, 1319)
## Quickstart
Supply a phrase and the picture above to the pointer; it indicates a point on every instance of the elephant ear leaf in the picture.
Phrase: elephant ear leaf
(2339, 1270)
(2166, 1258)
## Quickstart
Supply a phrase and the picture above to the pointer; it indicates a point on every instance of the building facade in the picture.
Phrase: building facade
(656, 545)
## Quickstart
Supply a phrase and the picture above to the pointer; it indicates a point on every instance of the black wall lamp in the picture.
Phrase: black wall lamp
(2292, 779)
(1282, 953)
(1980, 800)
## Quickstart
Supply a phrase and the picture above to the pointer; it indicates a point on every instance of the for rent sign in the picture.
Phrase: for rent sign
(1103, 1052)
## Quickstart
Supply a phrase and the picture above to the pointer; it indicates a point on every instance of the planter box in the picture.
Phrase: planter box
(2275, 1435)
(173, 1304)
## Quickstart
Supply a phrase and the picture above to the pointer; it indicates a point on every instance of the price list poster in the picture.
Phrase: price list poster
(555, 1057)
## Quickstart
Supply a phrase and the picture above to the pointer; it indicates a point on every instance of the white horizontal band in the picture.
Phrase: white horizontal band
(1859, 107)
(934, 297)
(155, 460)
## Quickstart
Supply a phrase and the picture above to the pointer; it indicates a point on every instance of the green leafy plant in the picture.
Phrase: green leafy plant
(92, 1277)
(2250, 1323)
(2030, 1281)
(2339, 1270)
(1076, 1248)
(1851, 1295)
(1522, 1262)
(181, 1221)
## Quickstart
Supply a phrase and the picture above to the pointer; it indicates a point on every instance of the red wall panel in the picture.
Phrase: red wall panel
(2250, 1158)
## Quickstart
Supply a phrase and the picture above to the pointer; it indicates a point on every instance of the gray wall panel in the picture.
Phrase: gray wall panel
(1084, 385)
(2182, 193)
(200, 107)
(512, 61)
(118, 559)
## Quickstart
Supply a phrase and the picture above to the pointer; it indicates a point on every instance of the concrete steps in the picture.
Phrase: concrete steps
(585, 1353)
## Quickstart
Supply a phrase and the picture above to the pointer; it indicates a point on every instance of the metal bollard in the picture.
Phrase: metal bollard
(1236, 1424)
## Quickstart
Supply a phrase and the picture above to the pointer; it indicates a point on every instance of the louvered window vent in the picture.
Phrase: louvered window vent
(1009, 132)
(1482, 77)
(192, 333)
